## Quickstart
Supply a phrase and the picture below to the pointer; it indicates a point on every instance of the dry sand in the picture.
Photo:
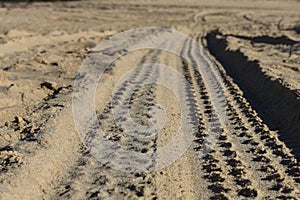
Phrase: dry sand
(253, 49)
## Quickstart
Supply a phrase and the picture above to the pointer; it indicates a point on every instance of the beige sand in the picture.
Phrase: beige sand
(42, 45)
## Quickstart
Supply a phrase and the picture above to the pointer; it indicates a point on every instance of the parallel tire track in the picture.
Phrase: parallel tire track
(237, 158)
(243, 159)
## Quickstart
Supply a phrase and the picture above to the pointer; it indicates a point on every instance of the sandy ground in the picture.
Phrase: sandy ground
(252, 49)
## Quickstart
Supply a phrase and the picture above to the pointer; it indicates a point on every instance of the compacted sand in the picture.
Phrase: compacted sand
(243, 66)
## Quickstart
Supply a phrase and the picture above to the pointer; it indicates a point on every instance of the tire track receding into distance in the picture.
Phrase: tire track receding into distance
(93, 173)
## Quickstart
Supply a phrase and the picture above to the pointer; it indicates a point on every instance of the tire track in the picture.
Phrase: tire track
(238, 156)
(264, 152)
(132, 185)
(261, 153)
(211, 164)
(180, 175)
(229, 153)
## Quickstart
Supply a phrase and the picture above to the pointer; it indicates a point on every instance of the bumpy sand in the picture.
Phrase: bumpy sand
(252, 51)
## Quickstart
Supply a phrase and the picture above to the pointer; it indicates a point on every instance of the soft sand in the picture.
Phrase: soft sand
(42, 45)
